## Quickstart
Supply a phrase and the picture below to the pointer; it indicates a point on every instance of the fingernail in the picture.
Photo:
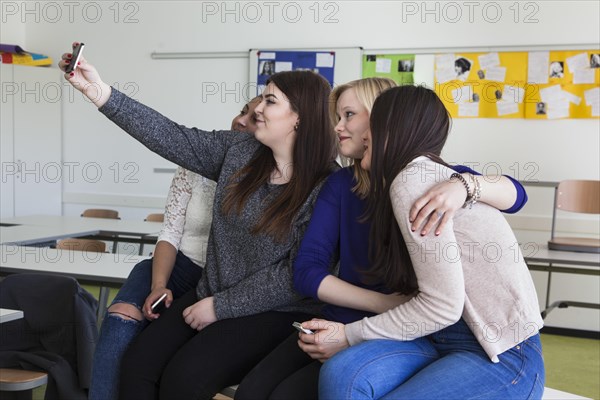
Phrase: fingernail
(69, 55)
(412, 228)
(79, 63)
(72, 74)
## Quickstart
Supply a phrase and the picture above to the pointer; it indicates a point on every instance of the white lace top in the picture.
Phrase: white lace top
(188, 214)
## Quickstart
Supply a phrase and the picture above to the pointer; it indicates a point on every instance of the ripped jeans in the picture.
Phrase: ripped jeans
(117, 333)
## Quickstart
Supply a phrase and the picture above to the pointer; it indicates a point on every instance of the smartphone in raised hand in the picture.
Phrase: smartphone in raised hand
(77, 51)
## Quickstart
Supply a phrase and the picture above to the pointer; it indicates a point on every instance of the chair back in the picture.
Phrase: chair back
(578, 196)
(82, 245)
(100, 213)
(155, 218)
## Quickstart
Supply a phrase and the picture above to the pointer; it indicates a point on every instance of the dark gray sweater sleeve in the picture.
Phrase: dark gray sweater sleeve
(199, 151)
(272, 287)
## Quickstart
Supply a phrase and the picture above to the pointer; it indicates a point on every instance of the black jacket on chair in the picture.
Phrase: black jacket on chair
(58, 333)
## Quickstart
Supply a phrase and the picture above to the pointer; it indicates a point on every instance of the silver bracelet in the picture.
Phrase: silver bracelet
(476, 192)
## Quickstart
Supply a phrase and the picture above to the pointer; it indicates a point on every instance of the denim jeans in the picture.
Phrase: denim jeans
(449, 364)
(117, 333)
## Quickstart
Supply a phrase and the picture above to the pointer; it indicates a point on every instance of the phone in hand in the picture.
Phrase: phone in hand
(299, 327)
(159, 304)
(77, 51)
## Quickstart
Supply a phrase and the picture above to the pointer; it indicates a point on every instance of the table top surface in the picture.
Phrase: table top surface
(541, 253)
(87, 265)
(74, 223)
(29, 234)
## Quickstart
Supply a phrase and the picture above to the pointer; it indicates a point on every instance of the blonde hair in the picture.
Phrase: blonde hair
(366, 90)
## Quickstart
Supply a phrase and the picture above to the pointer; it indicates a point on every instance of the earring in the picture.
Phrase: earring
(296, 126)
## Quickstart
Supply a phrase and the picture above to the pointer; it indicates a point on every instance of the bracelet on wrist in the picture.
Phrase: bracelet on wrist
(476, 191)
(465, 184)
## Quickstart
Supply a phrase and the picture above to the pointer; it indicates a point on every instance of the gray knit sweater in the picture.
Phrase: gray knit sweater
(246, 273)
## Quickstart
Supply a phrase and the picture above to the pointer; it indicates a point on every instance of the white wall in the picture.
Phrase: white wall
(120, 44)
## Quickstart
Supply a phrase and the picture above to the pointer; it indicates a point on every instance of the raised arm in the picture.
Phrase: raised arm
(499, 191)
(194, 149)
(439, 203)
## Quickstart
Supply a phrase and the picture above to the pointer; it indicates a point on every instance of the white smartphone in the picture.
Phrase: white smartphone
(158, 304)
(299, 327)
(75, 59)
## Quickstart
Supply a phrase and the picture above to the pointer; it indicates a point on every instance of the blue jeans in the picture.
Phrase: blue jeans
(449, 364)
(117, 333)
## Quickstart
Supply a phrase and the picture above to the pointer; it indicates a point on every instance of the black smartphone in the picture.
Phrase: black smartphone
(77, 51)
(159, 304)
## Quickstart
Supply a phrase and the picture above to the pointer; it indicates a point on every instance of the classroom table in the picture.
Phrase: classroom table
(103, 269)
(22, 230)
(10, 315)
(539, 258)
(113, 226)
(130, 231)
(37, 235)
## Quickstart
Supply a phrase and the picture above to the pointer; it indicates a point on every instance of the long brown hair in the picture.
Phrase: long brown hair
(367, 90)
(313, 154)
(406, 122)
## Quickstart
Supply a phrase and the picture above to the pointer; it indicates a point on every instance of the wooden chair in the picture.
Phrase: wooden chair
(576, 196)
(100, 213)
(155, 218)
(20, 380)
(82, 245)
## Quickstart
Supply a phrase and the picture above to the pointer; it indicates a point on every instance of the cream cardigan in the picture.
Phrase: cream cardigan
(474, 269)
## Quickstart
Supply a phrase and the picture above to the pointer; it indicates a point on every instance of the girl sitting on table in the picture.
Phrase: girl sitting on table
(175, 268)
(470, 326)
(335, 231)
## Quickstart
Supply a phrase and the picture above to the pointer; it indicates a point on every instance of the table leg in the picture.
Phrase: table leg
(102, 303)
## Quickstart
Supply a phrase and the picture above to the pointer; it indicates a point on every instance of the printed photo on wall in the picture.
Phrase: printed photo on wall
(595, 60)
(540, 108)
(557, 69)
(462, 67)
(406, 65)
(267, 68)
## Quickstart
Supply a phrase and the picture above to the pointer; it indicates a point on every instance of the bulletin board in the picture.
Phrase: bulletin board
(398, 67)
(563, 84)
(532, 85)
(482, 85)
(346, 63)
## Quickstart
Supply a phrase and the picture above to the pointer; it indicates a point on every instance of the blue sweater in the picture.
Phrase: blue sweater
(335, 229)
